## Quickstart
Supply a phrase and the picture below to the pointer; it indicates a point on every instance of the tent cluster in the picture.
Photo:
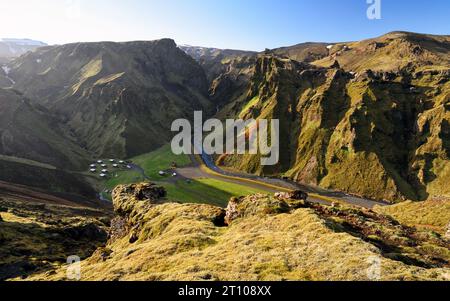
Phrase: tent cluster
(101, 166)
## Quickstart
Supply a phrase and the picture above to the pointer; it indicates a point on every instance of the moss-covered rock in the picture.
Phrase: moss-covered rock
(265, 239)
(38, 237)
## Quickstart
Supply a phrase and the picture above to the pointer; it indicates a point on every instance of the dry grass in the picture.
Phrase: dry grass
(39, 237)
(185, 242)
(430, 214)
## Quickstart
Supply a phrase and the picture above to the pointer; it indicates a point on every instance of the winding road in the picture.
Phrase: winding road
(204, 167)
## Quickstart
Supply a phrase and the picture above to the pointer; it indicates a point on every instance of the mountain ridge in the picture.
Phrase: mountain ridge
(134, 87)
(371, 97)
(321, 104)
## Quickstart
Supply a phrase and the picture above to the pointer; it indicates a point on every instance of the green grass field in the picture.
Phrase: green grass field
(124, 177)
(210, 191)
(152, 163)
(158, 160)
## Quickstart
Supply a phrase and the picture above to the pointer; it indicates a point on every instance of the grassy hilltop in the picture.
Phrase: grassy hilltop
(258, 237)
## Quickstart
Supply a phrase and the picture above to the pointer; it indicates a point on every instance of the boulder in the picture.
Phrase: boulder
(127, 198)
(256, 205)
(88, 231)
(118, 229)
(297, 195)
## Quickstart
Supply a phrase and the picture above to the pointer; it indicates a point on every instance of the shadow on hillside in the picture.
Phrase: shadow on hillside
(29, 248)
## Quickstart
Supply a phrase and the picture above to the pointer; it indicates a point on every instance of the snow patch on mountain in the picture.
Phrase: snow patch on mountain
(6, 69)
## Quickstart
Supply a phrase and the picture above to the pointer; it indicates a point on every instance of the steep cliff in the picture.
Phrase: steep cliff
(379, 133)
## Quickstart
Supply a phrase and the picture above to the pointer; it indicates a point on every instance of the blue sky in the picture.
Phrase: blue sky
(239, 24)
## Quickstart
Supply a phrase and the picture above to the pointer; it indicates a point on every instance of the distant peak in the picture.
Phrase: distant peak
(23, 42)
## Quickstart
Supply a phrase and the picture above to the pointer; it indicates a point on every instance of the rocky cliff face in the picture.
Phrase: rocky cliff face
(228, 72)
(380, 134)
(258, 237)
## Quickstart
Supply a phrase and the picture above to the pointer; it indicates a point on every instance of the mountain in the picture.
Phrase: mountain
(370, 118)
(305, 52)
(393, 52)
(31, 132)
(228, 71)
(36, 151)
(12, 48)
(215, 61)
(381, 133)
(257, 238)
(117, 99)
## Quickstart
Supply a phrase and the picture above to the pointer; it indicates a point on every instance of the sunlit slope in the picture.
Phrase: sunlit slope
(434, 214)
(257, 238)
(378, 134)
(394, 51)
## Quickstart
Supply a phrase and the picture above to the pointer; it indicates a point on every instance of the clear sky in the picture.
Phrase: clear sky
(239, 24)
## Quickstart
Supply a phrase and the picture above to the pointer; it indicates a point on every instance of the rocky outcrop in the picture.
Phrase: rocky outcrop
(260, 237)
(129, 202)
(133, 205)
(294, 195)
(126, 199)
(256, 205)
(38, 237)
